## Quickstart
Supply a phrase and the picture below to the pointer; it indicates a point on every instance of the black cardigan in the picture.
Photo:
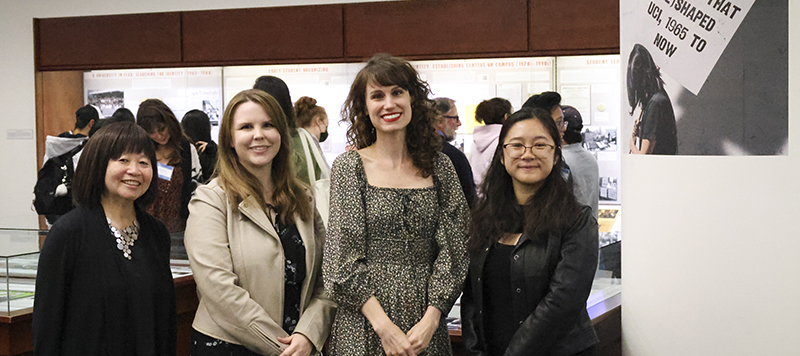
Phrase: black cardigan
(90, 300)
(551, 278)
(189, 184)
(463, 170)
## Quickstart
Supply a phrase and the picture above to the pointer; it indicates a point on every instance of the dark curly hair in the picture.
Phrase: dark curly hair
(421, 139)
(552, 207)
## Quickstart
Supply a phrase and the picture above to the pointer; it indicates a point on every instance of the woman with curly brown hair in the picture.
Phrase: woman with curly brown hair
(395, 258)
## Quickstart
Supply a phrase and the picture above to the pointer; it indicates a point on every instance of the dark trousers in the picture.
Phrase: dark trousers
(204, 345)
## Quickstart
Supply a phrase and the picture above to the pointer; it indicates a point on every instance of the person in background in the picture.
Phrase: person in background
(582, 164)
(197, 126)
(655, 131)
(533, 250)
(492, 113)
(121, 114)
(54, 146)
(280, 91)
(178, 164)
(395, 258)
(446, 124)
(550, 101)
(313, 119)
(86, 122)
(255, 243)
(103, 283)
(85, 118)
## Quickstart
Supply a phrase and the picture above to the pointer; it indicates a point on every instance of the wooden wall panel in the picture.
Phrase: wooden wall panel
(124, 40)
(563, 26)
(300, 32)
(426, 27)
(62, 95)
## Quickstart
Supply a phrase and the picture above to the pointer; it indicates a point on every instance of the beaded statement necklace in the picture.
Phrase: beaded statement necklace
(126, 237)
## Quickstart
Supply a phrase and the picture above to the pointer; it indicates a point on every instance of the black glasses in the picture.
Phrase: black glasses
(450, 117)
(516, 150)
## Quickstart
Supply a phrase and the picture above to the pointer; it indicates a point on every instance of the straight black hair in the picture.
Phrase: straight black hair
(552, 207)
(111, 142)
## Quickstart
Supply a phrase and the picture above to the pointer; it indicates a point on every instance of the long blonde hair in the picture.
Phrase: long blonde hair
(289, 197)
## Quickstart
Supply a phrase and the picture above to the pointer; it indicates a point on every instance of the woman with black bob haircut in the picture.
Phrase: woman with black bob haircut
(180, 171)
(395, 258)
(533, 250)
(104, 284)
(654, 132)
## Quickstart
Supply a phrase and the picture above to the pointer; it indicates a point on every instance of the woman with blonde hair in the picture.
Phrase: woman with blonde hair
(255, 242)
(395, 259)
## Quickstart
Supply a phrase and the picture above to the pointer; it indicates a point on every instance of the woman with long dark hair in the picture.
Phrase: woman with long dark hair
(178, 168)
(654, 132)
(104, 284)
(254, 241)
(395, 257)
(197, 126)
(533, 250)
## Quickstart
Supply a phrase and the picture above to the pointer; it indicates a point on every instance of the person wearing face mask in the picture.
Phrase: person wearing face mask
(312, 123)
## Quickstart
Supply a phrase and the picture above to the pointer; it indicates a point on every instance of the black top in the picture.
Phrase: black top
(294, 253)
(189, 184)
(208, 160)
(90, 300)
(463, 170)
(497, 289)
(551, 277)
(658, 124)
(68, 134)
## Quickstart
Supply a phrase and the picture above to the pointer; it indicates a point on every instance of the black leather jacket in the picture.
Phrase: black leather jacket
(551, 279)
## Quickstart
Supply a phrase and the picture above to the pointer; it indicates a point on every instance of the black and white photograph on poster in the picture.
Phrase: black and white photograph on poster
(608, 188)
(600, 138)
(212, 112)
(704, 77)
(107, 101)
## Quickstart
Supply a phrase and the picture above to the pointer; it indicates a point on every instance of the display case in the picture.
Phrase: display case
(19, 258)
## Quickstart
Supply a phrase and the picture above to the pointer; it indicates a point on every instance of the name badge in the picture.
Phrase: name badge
(165, 171)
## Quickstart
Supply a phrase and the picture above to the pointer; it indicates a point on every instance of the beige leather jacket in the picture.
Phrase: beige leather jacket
(238, 264)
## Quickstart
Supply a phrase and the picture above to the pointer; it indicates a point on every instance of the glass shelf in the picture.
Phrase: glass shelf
(19, 260)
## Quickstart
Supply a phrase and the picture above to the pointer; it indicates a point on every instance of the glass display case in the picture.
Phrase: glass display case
(19, 259)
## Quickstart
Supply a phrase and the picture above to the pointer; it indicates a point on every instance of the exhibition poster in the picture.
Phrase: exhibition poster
(705, 77)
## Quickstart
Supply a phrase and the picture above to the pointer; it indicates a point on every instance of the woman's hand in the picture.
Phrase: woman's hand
(299, 345)
(420, 335)
(201, 145)
(633, 149)
(394, 341)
